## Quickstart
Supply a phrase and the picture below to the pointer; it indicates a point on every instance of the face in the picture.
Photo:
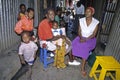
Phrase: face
(58, 12)
(23, 9)
(55, 25)
(25, 38)
(31, 14)
(51, 15)
(88, 13)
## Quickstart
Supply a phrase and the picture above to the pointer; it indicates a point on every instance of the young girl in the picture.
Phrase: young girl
(27, 54)
(58, 41)
(25, 23)
(59, 34)
(61, 42)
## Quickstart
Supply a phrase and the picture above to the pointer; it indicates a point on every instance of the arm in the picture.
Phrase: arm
(18, 18)
(56, 37)
(83, 10)
(18, 28)
(80, 35)
(35, 50)
(68, 41)
(22, 60)
(79, 32)
(94, 33)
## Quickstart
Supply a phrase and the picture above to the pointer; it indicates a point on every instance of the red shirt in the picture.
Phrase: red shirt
(44, 30)
(24, 24)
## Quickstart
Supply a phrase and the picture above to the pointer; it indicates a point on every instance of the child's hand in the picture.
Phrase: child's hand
(63, 37)
(23, 62)
(35, 56)
(58, 47)
(36, 40)
(58, 36)
(22, 59)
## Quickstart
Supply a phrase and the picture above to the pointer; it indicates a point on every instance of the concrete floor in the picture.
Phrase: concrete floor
(9, 64)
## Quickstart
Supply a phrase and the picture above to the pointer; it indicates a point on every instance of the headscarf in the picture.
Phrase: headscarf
(92, 9)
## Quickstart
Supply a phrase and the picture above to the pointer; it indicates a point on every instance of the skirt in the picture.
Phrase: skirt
(82, 49)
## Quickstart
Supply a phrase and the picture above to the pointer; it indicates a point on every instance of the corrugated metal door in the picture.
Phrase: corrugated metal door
(113, 46)
(8, 16)
(108, 14)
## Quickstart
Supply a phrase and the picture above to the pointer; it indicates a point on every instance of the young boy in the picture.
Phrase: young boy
(27, 55)
(22, 11)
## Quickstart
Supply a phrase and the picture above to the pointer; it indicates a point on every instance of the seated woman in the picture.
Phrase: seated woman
(86, 41)
(62, 43)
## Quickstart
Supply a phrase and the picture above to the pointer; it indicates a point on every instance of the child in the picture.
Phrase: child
(60, 41)
(66, 18)
(62, 27)
(57, 34)
(26, 23)
(27, 55)
(57, 18)
(68, 42)
(22, 11)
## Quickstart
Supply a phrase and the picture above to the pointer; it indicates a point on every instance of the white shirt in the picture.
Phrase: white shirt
(86, 31)
(28, 50)
(79, 10)
(56, 32)
(66, 18)
(63, 31)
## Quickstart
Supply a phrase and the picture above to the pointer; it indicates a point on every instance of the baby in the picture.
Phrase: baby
(60, 41)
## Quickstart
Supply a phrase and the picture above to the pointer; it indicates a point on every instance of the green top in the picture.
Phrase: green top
(57, 19)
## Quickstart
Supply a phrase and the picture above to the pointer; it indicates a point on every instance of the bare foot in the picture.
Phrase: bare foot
(84, 73)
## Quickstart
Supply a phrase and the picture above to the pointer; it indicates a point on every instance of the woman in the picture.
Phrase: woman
(86, 41)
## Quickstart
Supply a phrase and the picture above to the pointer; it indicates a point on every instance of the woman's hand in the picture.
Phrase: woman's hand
(82, 40)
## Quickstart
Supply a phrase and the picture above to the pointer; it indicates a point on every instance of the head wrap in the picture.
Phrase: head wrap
(92, 9)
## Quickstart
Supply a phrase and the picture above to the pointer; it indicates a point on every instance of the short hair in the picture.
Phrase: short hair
(22, 5)
(55, 22)
(79, 3)
(30, 9)
(92, 9)
(49, 9)
(25, 32)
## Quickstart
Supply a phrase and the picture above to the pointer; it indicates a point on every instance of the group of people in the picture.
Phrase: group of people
(53, 38)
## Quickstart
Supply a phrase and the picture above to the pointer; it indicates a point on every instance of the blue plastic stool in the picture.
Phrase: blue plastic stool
(44, 55)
